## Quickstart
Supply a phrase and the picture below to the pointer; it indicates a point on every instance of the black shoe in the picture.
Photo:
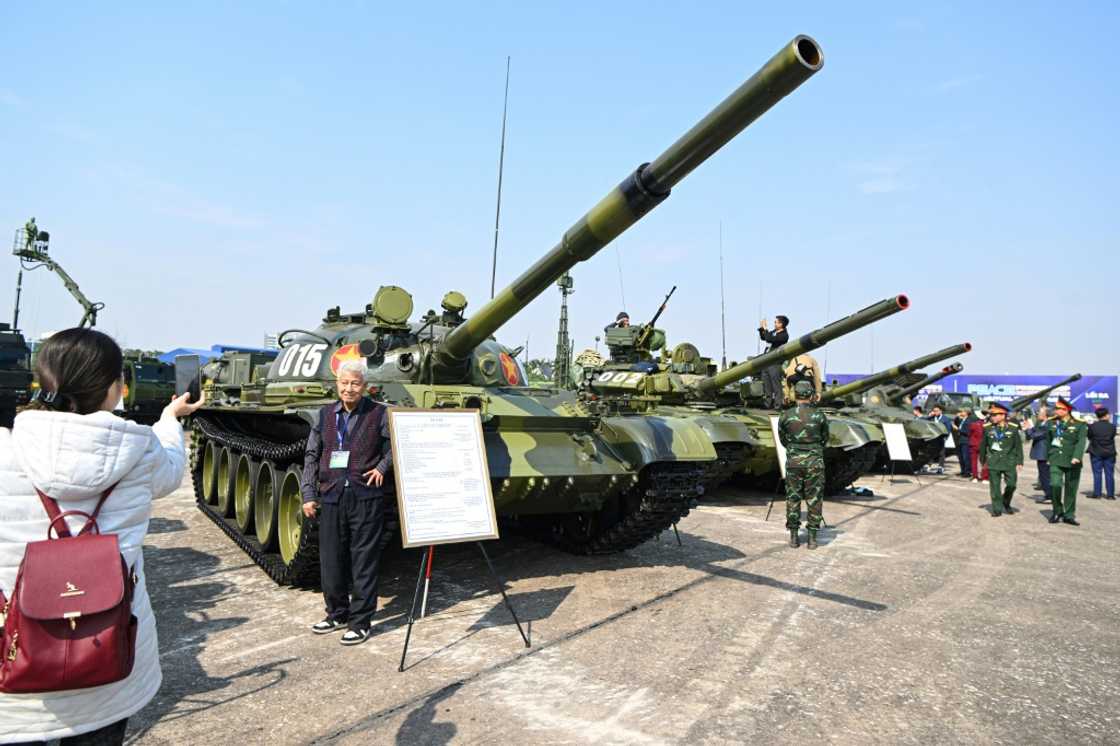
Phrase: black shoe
(355, 636)
(327, 626)
(1110, 497)
(794, 541)
(812, 539)
(1095, 497)
(1009, 510)
(1070, 521)
(996, 515)
(1055, 517)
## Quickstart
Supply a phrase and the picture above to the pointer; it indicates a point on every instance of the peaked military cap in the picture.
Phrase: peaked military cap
(998, 406)
(1064, 404)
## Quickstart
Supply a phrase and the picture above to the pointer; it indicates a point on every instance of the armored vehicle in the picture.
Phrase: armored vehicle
(598, 484)
(683, 384)
(904, 395)
(853, 444)
(15, 373)
(874, 398)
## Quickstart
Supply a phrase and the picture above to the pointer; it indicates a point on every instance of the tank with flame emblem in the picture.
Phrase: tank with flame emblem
(595, 484)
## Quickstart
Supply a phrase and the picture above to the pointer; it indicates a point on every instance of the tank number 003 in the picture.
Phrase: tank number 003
(301, 360)
(620, 378)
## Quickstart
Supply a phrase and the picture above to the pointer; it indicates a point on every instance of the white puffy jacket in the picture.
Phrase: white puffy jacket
(74, 458)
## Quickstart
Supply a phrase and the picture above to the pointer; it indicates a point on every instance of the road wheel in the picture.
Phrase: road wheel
(289, 513)
(265, 504)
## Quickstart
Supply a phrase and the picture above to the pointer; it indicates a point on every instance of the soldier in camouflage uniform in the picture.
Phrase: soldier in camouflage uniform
(803, 430)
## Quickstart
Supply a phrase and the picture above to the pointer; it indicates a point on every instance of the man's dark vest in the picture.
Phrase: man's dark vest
(365, 446)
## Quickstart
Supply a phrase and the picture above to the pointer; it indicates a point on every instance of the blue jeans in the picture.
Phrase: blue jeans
(1103, 466)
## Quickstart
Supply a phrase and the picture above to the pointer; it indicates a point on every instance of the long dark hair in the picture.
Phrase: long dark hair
(76, 367)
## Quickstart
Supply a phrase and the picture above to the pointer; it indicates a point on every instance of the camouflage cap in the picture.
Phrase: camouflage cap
(803, 390)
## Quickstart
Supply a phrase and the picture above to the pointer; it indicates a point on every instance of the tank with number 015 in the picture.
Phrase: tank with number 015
(598, 484)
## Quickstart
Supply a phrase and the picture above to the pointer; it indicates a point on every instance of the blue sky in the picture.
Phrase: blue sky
(216, 171)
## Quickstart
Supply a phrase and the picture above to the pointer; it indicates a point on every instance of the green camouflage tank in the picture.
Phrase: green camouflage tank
(682, 384)
(596, 483)
(877, 400)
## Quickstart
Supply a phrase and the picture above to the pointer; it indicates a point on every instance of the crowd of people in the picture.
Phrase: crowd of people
(1058, 444)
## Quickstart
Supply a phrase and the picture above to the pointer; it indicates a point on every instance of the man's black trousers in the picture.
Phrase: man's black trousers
(772, 386)
(349, 555)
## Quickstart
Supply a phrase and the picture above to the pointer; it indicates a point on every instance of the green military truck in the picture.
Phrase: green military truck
(15, 373)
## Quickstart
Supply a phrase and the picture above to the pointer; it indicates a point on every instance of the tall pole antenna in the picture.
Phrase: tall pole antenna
(621, 287)
(827, 317)
(722, 309)
(501, 168)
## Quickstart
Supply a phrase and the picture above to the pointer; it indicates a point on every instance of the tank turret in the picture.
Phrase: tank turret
(885, 376)
(1025, 401)
(912, 389)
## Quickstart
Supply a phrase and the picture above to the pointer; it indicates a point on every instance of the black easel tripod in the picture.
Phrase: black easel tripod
(416, 594)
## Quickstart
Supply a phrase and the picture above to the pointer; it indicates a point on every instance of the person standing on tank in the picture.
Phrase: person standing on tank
(772, 376)
(803, 430)
(347, 460)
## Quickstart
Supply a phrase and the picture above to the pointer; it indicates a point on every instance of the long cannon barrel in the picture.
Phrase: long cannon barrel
(810, 341)
(928, 380)
(643, 190)
(863, 384)
(1023, 401)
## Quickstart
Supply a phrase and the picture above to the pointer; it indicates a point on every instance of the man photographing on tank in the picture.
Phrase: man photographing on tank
(772, 376)
(347, 459)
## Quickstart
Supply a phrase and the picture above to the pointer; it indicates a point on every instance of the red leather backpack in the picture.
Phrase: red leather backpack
(69, 622)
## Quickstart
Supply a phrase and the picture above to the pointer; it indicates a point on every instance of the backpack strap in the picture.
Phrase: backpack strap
(51, 506)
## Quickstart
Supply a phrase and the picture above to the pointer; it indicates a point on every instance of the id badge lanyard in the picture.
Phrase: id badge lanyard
(343, 425)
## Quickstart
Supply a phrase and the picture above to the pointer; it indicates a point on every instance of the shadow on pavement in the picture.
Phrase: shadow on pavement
(182, 610)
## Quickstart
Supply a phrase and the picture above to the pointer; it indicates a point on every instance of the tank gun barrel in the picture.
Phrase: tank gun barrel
(863, 384)
(928, 380)
(810, 341)
(1023, 401)
(643, 190)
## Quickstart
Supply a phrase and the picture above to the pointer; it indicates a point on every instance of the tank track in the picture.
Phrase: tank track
(304, 568)
(731, 458)
(668, 492)
(840, 473)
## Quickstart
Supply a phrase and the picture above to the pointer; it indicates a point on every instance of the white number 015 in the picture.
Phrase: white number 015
(301, 360)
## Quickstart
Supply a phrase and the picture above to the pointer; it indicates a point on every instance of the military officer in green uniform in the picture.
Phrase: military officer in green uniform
(1001, 450)
(1067, 438)
(803, 430)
